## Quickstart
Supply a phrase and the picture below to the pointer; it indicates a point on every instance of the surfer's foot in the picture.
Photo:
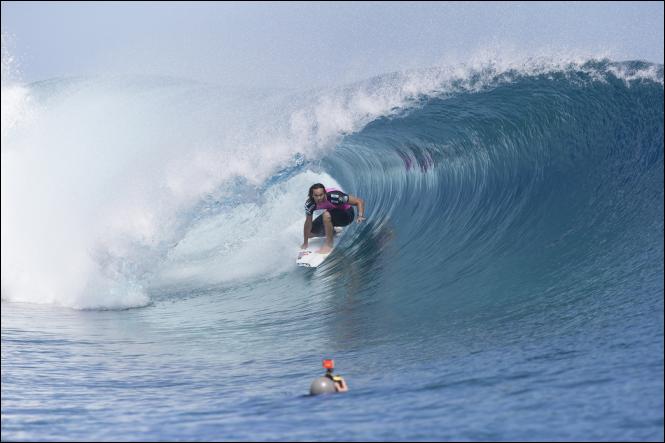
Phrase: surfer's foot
(324, 250)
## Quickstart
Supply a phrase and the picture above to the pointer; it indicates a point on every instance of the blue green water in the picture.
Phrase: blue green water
(507, 286)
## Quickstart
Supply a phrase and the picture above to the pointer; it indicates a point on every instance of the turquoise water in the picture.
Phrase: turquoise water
(508, 285)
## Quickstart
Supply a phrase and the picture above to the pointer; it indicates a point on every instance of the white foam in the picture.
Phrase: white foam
(254, 239)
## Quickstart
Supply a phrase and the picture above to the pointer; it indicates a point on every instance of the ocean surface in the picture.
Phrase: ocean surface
(507, 284)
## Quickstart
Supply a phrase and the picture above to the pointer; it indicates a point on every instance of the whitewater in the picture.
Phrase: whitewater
(507, 285)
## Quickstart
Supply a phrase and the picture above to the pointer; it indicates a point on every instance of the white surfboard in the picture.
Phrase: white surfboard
(309, 257)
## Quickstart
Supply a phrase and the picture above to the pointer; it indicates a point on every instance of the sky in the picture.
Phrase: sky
(310, 44)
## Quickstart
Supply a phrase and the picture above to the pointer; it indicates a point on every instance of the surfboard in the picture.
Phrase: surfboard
(309, 258)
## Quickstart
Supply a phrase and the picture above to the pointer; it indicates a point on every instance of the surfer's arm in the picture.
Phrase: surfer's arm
(307, 230)
(360, 203)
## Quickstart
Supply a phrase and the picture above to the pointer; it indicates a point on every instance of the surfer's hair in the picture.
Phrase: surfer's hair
(315, 186)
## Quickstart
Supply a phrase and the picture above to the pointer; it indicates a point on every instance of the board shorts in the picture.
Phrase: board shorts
(340, 217)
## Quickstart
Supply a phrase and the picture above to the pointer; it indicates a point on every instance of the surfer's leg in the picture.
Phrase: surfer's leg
(318, 229)
(341, 217)
(327, 223)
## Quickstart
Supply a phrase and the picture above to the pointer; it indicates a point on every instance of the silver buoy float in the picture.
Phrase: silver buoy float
(329, 382)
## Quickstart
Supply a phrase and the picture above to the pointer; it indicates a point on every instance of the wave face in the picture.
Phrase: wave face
(507, 285)
(545, 190)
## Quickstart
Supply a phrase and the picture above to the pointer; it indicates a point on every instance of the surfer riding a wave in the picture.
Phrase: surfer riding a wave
(338, 212)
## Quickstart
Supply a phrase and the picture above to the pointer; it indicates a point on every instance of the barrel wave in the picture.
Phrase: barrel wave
(546, 191)
(506, 285)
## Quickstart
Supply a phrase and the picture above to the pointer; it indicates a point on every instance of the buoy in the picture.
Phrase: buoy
(322, 385)
(330, 382)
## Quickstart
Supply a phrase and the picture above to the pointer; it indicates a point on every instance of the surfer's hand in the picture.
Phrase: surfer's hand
(360, 219)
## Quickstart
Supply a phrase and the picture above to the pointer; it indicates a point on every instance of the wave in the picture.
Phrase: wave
(514, 179)
(542, 190)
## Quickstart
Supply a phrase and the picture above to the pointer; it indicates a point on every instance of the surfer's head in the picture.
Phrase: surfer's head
(317, 192)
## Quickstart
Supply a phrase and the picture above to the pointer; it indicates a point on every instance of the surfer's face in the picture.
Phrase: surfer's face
(319, 195)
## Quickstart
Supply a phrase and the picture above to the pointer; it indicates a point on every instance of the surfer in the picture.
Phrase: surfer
(339, 212)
